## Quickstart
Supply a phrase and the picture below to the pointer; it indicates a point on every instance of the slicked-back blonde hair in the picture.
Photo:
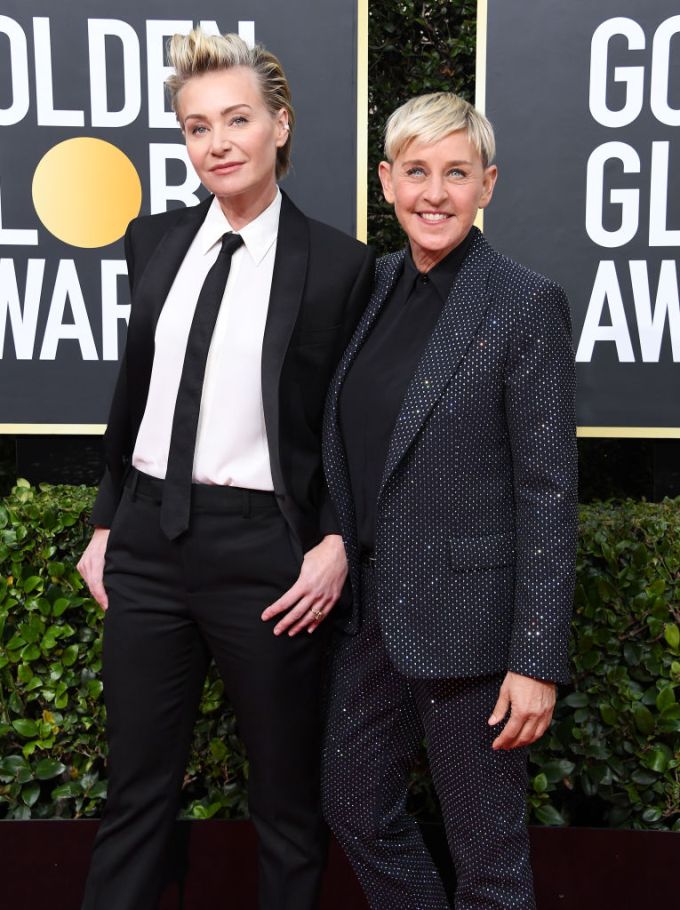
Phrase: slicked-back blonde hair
(429, 118)
(198, 53)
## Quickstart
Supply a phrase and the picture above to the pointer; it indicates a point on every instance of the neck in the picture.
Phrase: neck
(424, 261)
(242, 209)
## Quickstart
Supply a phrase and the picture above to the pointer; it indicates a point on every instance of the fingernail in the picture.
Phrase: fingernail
(492, 720)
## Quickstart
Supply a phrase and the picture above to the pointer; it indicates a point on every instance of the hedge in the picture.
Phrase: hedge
(612, 756)
(52, 749)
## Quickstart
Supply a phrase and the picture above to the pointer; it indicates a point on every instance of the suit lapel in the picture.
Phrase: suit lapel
(388, 272)
(452, 335)
(151, 293)
(288, 282)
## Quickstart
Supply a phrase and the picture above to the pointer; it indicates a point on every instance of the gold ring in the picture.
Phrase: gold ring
(317, 614)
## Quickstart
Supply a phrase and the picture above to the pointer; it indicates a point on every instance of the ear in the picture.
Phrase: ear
(282, 128)
(488, 183)
(385, 174)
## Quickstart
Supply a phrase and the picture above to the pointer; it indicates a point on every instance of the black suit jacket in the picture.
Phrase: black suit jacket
(321, 283)
(477, 512)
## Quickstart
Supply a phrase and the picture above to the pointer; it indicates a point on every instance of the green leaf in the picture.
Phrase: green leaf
(218, 750)
(590, 660)
(548, 815)
(12, 764)
(30, 584)
(24, 673)
(557, 770)
(26, 728)
(199, 811)
(665, 698)
(49, 768)
(609, 715)
(651, 815)
(644, 719)
(64, 791)
(16, 641)
(30, 794)
(60, 606)
(540, 783)
(576, 700)
(30, 652)
(644, 778)
(658, 758)
(70, 655)
(671, 633)
(95, 687)
(98, 790)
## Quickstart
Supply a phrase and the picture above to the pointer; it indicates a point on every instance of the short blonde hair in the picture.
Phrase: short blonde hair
(429, 118)
(198, 53)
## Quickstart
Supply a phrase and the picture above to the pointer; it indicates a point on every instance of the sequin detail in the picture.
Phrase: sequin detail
(476, 519)
(377, 719)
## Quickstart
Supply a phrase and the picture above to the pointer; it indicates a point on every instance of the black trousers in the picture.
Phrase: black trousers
(376, 724)
(173, 605)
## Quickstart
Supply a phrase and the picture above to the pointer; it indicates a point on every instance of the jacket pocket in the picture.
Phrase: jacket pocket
(469, 553)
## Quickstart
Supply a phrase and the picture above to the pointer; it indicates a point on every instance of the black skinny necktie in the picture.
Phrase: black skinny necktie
(176, 505)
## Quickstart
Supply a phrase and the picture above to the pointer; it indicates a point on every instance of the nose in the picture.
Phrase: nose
(221, 142)
(435, 190)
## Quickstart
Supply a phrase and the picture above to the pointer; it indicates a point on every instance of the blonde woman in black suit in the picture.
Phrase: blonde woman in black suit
(214, 533)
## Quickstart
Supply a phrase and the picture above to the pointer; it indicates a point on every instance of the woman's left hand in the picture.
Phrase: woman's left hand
(309, 601)
(530, 702)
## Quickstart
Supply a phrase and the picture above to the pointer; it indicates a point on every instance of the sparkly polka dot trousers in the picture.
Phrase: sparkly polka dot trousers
(377, 719)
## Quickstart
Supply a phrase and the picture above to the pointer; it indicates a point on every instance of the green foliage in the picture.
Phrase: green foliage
(614, 747)
(612, 756)
(52, 746)
(50, 705)
(414, 48)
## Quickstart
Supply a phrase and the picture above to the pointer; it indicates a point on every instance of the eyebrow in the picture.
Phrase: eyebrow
(413, 161)
(226, 110)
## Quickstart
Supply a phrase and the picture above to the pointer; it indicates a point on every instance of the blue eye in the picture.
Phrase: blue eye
(239, 120)
(415, 172)
(198, 130)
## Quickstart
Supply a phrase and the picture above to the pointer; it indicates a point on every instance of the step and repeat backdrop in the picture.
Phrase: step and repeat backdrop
(585, 99)
(87, 142)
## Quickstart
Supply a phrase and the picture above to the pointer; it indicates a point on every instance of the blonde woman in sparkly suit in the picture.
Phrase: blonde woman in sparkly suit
(451, 459)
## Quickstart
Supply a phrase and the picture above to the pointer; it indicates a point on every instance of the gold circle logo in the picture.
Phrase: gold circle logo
(85, 191)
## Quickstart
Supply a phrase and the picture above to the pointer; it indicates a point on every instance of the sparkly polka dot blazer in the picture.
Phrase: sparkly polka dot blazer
(476, 519)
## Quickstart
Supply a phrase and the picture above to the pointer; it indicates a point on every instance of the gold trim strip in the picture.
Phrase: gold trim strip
(629, 432)
(480, 75)
(362, 120)
(480, 59)
(52, 429)
(97, 429)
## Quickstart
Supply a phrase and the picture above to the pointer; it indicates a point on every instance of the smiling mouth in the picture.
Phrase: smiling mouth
(433, 217)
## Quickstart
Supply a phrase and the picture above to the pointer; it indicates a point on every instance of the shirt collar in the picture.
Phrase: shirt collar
(444, 273)
(258, 235)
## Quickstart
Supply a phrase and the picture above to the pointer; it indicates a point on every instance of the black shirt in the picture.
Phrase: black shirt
(376, 383)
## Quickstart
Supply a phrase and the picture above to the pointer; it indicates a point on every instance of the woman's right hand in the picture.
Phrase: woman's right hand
(91, 565)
